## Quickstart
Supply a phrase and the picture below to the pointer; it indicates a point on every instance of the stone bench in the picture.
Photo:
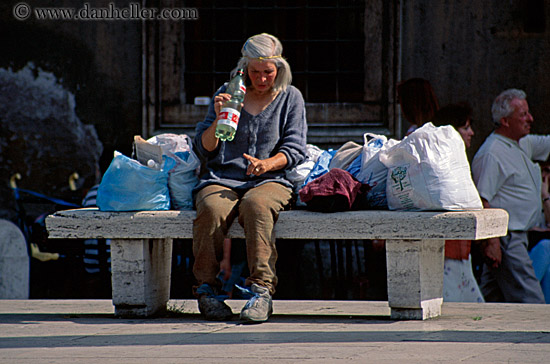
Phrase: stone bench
(141, 248)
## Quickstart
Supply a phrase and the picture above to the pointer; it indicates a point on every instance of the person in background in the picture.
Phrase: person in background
(506, 177)
(540, 252)
(417, 101)
(96, 258)
(246, 178)
(459, 283)
(232, 266)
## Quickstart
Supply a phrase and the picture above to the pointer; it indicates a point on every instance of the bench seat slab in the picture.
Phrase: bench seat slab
(90, 223)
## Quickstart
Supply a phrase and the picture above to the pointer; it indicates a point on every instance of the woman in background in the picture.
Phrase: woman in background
(459, 283)
(418, 102)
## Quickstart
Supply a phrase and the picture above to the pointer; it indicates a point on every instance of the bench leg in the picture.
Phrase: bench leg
(415, 278)
(140, 276)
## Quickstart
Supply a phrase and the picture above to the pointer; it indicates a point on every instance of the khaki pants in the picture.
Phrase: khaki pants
(257, 210)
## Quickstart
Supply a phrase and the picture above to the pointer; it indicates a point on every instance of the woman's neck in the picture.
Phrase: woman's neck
(255, 102)
(261, 94)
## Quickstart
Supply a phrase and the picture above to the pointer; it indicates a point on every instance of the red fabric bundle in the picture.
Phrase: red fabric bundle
(336, 190)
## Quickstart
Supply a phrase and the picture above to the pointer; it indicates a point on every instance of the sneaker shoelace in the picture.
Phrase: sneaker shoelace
(248, 294)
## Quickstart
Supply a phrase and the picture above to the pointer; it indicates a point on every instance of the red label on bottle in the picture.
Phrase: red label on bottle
(229, 116)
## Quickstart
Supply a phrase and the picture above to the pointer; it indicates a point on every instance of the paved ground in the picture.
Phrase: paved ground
(78, 331)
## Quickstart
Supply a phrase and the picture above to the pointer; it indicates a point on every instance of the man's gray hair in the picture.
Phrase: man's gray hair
(502, 107)
(266, 47)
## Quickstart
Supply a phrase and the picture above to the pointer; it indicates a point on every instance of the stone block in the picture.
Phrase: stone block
(14, 262)
(141, 274)
(415, 271)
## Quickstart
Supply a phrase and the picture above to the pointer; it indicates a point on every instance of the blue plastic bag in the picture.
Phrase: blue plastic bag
(355, 166)
(182, 180)
(321, 167)
(372, 171)
(128, 185)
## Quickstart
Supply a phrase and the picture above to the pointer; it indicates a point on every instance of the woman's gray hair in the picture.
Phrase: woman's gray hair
(266, 47)
(502, 107)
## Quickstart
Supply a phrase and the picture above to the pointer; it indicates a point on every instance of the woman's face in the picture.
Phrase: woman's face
(262, 75)
(466, 132)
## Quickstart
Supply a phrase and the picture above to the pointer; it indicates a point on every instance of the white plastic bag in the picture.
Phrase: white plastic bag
(183, 177)
(373, 172)
(429, 170)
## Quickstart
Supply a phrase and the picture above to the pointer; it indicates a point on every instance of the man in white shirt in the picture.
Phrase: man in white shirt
(506, 177)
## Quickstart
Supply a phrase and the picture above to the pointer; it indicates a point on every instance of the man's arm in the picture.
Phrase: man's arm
(491, 247)
(545, 195)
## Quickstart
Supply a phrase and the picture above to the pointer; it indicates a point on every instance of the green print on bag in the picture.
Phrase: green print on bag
(401, 185)
(398, 175)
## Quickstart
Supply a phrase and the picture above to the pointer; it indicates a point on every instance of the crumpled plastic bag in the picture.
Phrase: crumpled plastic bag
(299, 173)
(372, 172)
(128, 185)
(321, 166)
(345, 155)
(183, 177)
(429, 170)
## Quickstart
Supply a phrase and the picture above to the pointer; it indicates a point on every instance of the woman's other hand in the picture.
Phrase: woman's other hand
(260, 166)
(256, 166)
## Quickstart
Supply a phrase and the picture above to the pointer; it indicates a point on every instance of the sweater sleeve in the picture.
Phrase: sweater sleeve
(294, 136)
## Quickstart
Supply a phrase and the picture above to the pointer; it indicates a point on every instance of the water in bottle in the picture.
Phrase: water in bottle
(231, 111)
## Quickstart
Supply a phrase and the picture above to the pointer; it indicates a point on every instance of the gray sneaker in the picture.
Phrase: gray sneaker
(214, 310)
(259, 307)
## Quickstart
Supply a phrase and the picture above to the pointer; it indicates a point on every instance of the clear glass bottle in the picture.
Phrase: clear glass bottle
(231, 111)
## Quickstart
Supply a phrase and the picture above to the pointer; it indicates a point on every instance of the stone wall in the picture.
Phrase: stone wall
(472, 50)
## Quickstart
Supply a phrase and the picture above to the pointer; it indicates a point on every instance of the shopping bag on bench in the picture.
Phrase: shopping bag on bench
(429, 170)
(128, 185)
